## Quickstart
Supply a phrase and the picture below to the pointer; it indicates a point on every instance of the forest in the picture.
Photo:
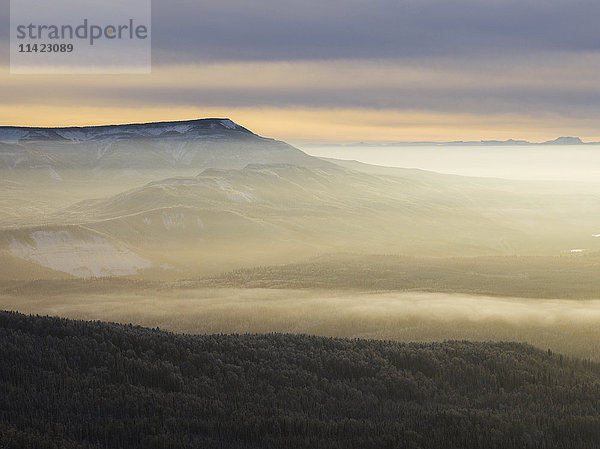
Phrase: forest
(78, 384)
(567, 276)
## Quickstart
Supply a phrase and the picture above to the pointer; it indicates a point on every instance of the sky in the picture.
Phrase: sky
(344, 70)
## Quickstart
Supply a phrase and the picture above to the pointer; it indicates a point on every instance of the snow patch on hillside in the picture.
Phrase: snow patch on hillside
(229, 124)
(73, 134)
(102, 150)
(92, 256)
(12, 135)
(173, 220)
(54, 174)
(181, 153)
(241, 197)
(238, 196)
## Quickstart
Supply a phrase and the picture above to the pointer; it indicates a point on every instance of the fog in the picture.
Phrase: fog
(565, 326)
(362, 240)
(525, 162)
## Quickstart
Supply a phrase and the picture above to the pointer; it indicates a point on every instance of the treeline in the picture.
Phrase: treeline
(567, 276)
(62, 287)
(74, 384)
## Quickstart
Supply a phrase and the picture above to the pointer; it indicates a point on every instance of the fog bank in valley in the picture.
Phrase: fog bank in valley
(565, 326)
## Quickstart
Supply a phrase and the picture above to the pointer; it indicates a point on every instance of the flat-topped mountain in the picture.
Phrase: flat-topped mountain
(210, 127)
(204, 143)
(565, 141)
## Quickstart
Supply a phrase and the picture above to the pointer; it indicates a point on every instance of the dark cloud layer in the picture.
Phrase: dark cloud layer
(195, 31)
(528, 58)
(441, 99)
(187, 30)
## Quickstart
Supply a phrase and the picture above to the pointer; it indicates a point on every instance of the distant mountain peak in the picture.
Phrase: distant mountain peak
(509, 142)
(565, 141)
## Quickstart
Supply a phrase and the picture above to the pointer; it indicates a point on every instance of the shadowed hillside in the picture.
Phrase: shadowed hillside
(75, 384)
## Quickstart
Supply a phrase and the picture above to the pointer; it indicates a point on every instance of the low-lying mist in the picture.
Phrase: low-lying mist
(580, 163)
(564, 326)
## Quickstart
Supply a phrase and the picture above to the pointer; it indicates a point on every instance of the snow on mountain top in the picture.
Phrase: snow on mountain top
(229, 124)
(11, 135)
(188, 128)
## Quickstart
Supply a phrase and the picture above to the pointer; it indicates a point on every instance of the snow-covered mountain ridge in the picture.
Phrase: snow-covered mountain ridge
(192, 144)
(180, 129)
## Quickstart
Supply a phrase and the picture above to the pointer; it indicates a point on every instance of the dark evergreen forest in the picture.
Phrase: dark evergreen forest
(75, 384)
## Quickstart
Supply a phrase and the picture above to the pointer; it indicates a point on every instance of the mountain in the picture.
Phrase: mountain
(226, 219)
(182, 199)
(196, 144)
(557, 141)
(187, 129)
(564, 141)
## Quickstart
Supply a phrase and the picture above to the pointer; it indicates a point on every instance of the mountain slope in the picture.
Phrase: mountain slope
(255, 201)
(188, 129)
(186, 144)
(280, 213)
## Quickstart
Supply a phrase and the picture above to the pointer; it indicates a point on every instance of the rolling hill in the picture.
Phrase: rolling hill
(77, 384)
(279, 213)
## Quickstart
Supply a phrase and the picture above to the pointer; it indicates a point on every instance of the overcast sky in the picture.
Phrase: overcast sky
(345, 70)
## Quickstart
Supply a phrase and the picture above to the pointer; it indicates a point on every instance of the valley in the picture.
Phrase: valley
(155, 230)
